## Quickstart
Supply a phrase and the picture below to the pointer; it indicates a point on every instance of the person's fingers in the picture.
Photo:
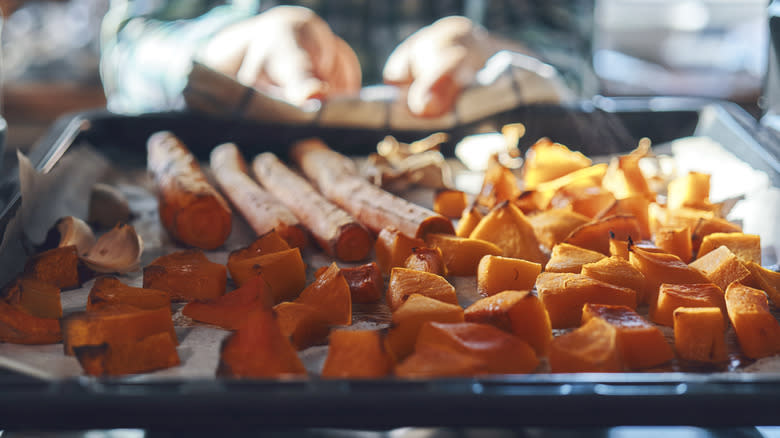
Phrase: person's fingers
(345, 77)
(433, 93)
(398, 67)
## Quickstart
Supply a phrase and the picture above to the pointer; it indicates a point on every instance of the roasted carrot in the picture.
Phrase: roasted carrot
(261, 209)
(191, 209)
(337, 178)
(338, 233)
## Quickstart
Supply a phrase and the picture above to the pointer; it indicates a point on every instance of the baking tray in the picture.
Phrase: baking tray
(598, 126)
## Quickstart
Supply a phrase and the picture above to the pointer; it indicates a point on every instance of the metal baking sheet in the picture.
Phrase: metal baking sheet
(599, 127)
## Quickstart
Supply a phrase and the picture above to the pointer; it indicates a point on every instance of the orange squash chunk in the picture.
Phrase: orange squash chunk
(636, 206)
(19, 327)
(502, 352)
(690, 190)
(268, 243)
(35, 297)
(673, 296)
(357, 354)
(531, 201)
(624, 177)
(659, 268)
(284, 271)
(509, 229)
(304, 324)
(564, 294)
(587, 200)
(498, 185)
(110, 291)
(721, 267)
(393, 247)
(593, 347)
(618, 248)
(230, 310)
(57, 266)
(330, 294)
(595, 235)
(408, 319)
(154, 352)
(617, 271)
(468, 221)
(518, 312)
(747, 247)
(496, 274)
(553, 226)
(764, 279)
(259, 349)
(450, 203)
(365, 282)
(675, 241)
(433, 361)
(113, 325)
(641, 344)
(546, 161)
(461, 255)
(586, 177)
(758, 332)
(700, 334)
(569, 258)
(406, 282)
(428, 260)
(186, 275)
(709, 225)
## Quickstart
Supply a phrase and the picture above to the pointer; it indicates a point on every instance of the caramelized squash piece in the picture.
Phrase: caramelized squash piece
(428, 260)
(461, 255)
(19, 327)
(662, 217)
(569, 258)
(496, 274)
(502, 352)
(747, 247)
(258, 349)
(641, 344)
(617, 271)
(57, 266)
(764, 279)
(593, 347)
(509, 229)
(585, 200)
(450, 203)
(110, 291)
(624, 178)
(412, 314)
(154, 352)
(392, 248)
(546, 161)
(330, 294)
(268, 243)
(636, 206)
(595, 235)
(518, 312)
(230, 310)
(365, 282)
(708, 225)
(758, 332)
(690, 190)
(673, 296)
(186, 275)
(659, 268)
(499, 185)
(531, 201)
(284, 271)
(618, 248)
(433, 361)
(303, 324)
(721, 267)
(553, 226)
(357, 354)
(36, 297)
(564, 294)
(700, 334)
(586, 177)
(468, 221)
(406, 282)
(675, 241)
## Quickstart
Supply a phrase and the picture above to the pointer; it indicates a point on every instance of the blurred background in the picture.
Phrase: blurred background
(710, 48)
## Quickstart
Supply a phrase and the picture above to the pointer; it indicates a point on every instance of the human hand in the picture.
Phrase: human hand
(437, 62)
(287, 51)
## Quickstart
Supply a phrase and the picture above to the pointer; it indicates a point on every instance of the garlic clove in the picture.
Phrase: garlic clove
(70, 230)
(118, 250)
(107, 207)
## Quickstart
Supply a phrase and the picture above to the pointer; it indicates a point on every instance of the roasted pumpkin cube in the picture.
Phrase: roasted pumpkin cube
(408, 319)
(518, 312)
(499, 185)
(595, 235)
(406, 282)
(496, 274)
(461, 255)
(36, 297)
(675, 241)
(468, 221)
(365, 282)
(641, 344)
(186, 275)
(20, 327)
(758, 332)
(721, 267)
(154, 352)
(230, 310)
(57, 266)
(304, 324)
(553, 226)
(509, 229)
(110, 291)
(764, 279)
(284, 271)
(585, 200)
(700, 334)
(659, 268)
(268, 243)
(618, 248)
(586, 177)
(433, 361)
(259, 349)
(546, 161)
(617, 271)
(357, 354)
(564, 294)
(705, 226)
(690, 190)
(747, 247)
(330, 294)
(393, 247)
(593, 347)
(428, 260)
(570, 258)
(624, 178)
(673, 296)
(450, 203)
(637, 206)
